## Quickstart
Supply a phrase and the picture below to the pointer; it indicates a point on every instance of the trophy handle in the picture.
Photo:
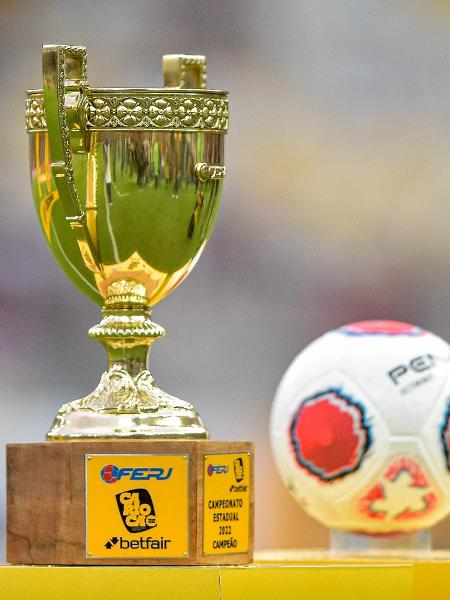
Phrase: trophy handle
(64, 79)
(184, 71)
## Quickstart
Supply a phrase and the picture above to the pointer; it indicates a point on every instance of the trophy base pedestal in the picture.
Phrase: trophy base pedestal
(130, 502)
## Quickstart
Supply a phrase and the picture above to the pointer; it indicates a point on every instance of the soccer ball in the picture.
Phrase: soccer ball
(360, 428)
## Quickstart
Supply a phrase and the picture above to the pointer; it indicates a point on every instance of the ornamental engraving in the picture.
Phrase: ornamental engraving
(34, 114)
(175, 111)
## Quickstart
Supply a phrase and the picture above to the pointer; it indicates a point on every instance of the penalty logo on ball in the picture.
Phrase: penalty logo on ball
(329, 434)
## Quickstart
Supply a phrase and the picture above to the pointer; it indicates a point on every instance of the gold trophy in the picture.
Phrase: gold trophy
(127, 184)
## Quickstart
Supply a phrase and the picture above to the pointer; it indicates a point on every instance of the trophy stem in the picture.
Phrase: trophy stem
(126, 330)
(126, 402)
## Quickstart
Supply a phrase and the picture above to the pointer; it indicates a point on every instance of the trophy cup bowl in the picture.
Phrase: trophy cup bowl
(126, 184)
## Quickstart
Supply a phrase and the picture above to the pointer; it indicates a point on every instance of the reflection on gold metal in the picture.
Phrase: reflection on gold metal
(205, 171)
(127, 184)
(42, 174)
(45, 211)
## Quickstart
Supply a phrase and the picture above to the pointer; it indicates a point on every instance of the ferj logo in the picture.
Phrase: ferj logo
(218, 469)
(112, 474)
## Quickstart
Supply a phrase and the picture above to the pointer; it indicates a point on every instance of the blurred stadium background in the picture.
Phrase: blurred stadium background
(336, 206)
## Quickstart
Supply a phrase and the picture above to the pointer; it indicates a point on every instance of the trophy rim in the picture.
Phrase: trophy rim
(117, 116)
(143, 90)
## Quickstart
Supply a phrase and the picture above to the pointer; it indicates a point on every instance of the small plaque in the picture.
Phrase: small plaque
(136, 505)
(226, 503)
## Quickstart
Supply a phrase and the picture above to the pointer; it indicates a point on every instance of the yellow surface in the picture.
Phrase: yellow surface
(226, 503)
(107, 583)
(166, 489)
(431, 580)
(318, 582)
(321, 580)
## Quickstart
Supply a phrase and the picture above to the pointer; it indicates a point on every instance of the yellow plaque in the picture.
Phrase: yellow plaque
(226, 503)
(136, 505)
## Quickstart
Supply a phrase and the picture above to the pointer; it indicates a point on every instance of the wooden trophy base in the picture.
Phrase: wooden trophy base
(184, 502)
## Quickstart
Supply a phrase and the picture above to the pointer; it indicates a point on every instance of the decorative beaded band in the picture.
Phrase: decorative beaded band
(140, 109)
